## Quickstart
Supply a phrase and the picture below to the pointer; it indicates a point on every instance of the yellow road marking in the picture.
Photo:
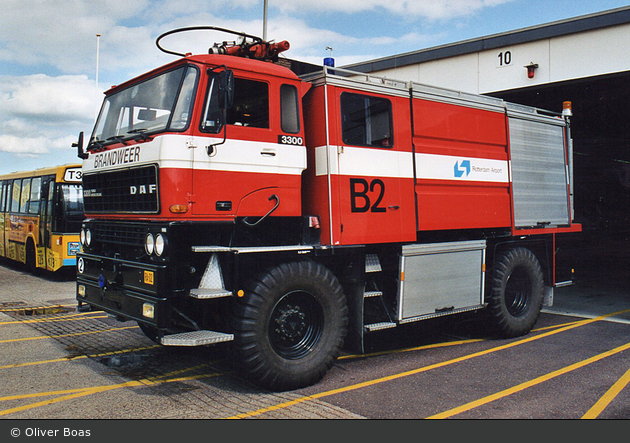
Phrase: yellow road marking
(81, 392)
(49, 320)
(77, 357)
(608, 396)
(423, 369)
(66, 335)
(23, 308)
(417, 348)
(440, 345)
(529, 384)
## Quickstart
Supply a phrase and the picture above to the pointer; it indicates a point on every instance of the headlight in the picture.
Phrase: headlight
(88, 237)
(160, 245)
(148, 310)
(149, 244)
(82, 236)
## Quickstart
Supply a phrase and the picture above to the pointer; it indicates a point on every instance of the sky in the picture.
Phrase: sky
(54, 69)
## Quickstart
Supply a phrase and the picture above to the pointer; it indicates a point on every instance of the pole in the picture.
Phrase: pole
(98, 38)
(265, 21)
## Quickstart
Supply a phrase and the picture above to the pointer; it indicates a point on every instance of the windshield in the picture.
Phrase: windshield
(72, 198)
(160, 103)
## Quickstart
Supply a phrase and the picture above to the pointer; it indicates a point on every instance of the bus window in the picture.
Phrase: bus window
(71, 199)
(15, 195)
(36, 187)
(2, 191)
(26, 193)
(50, 226)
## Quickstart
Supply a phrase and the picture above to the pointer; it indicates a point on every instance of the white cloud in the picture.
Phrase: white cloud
(434, 10)
(40, 113)
(38, 96)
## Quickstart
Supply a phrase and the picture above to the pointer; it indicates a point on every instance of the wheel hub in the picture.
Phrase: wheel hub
(290, 323)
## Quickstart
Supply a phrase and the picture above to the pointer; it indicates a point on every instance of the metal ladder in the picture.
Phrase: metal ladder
(373, 298)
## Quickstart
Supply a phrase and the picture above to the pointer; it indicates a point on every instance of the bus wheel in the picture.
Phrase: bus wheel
(290, 325)
(516, 292)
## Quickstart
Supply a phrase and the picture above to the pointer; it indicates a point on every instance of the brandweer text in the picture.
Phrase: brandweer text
(117, 157)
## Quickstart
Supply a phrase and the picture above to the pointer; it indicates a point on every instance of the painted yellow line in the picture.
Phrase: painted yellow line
(417, 348)
(609, 396)
(30, 308)
(118, 385)
(529, 384)
(424, 368)
(439, 345)
(66, 335)
(555, 326)
(78, 357)
(81, 392)
(49, 320)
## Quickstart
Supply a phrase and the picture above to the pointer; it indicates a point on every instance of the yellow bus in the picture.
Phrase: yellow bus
(40, 216)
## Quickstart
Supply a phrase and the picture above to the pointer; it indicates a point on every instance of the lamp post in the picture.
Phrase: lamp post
(265, 21)
(98, 38)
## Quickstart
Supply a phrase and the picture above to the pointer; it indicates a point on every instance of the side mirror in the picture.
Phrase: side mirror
(79, 146)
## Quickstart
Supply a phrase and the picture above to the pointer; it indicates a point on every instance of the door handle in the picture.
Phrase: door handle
(268, 152)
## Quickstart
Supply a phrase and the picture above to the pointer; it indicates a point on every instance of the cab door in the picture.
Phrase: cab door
(252, 165)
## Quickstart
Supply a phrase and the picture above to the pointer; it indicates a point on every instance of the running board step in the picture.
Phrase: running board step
(196, 338)
(379, 326)
(205, 293)
(372, 263)
(367, 294)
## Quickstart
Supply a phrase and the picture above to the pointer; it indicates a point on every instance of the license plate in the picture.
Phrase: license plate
(148, 277)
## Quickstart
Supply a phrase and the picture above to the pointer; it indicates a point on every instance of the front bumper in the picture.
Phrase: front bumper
(124, 288)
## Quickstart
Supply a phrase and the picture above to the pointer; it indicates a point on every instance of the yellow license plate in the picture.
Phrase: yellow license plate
(148, 277)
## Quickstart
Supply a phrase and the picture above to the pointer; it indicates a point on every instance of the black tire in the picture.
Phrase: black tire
(516, 292)
(290, 325)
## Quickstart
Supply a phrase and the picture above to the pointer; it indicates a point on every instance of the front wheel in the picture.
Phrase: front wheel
(290, 325)
(516, 292)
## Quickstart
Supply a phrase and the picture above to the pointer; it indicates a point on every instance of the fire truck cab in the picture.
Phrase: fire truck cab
(230, 200)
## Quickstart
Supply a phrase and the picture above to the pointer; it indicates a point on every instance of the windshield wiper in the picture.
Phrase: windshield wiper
(99, 145)
(118, 138)
(140, 134)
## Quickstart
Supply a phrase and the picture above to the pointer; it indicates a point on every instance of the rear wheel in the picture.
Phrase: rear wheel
(290, 325)
(516, 292)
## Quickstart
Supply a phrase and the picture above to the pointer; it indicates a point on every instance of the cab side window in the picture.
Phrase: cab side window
(366, 120)
(289, 109)
(251, 104)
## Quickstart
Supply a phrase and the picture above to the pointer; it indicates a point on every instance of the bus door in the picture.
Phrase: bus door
(48, 192)
(3, 198)
(44, 217)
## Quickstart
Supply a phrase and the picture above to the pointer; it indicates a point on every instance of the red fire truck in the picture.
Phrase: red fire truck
(230, 200)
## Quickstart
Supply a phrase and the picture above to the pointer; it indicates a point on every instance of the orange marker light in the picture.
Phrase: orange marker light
(178, 209)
